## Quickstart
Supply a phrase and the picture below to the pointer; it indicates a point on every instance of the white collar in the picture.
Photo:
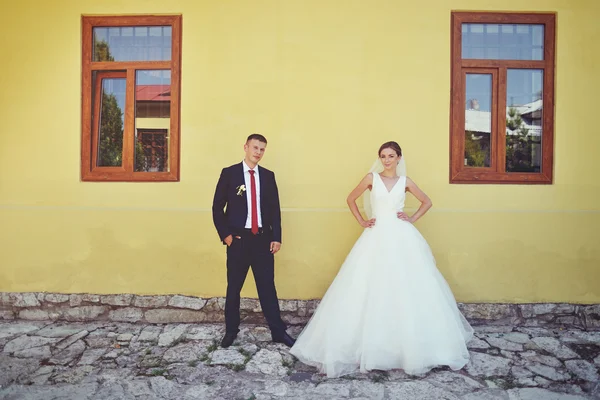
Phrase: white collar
(247, 168)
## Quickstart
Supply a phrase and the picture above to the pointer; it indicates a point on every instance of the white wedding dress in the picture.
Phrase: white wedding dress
(388, 307)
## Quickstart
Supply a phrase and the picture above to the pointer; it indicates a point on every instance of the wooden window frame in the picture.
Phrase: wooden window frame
(89, 136)
(496, 173)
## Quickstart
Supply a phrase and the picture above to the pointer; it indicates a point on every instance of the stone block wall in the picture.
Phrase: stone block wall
(186, 309)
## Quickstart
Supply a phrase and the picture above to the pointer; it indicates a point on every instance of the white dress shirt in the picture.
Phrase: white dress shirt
(249, 194)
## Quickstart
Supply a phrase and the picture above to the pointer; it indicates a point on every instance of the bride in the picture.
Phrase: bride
(388, 307)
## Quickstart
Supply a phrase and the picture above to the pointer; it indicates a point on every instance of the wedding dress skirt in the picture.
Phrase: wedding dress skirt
(389, 307)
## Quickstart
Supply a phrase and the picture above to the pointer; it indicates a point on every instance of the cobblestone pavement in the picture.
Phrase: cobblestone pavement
(109, 360)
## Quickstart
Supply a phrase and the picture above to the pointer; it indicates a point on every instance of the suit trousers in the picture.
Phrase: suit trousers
(247, 251)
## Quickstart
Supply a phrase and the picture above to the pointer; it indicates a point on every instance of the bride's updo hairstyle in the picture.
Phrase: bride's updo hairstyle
(390, 145)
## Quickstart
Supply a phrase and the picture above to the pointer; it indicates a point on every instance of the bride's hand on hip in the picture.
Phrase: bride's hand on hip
(368, 224)
(402, 215)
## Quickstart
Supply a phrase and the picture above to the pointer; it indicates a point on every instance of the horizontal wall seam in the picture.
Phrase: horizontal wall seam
(284, 209)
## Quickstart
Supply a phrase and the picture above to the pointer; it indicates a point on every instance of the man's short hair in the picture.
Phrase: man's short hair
(258, 137)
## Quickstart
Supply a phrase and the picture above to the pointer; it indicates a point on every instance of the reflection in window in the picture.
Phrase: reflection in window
(110, 136)
(152, 151)
(139, 43)
(524, 120)
(503, 41)
(152, 120)
(478, 121)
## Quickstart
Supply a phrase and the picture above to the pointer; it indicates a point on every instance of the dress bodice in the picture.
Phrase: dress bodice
(384, 202)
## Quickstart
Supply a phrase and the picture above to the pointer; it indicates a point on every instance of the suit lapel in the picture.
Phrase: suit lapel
(239, 177)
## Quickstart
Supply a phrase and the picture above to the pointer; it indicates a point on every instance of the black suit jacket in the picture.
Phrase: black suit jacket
(230, 211)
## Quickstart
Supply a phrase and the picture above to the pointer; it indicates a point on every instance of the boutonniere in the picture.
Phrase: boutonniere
(241, 189)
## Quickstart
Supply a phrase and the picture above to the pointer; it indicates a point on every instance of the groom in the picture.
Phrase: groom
(248, 220)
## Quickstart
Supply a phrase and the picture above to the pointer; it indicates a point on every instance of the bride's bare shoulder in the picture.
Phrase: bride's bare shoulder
(368, 179)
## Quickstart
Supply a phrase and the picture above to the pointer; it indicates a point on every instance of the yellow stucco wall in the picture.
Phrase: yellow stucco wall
(327, 82)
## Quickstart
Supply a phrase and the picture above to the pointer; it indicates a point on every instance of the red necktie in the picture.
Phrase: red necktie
(254, 205)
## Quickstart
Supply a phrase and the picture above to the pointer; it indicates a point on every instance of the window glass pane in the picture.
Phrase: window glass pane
(503, 41)
(478, 120)
(152, 120)
(140, 43)
(524, 103)
(111, 122)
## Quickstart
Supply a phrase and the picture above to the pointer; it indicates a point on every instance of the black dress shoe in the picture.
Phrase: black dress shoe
(228, 339)
(285, 339)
